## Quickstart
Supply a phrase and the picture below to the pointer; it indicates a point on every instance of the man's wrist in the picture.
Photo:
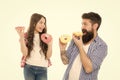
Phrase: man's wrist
(63, 51)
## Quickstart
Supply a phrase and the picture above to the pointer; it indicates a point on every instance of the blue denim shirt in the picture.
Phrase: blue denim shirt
(97, 52)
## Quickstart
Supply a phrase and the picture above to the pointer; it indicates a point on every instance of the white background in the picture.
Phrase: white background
(63, 17)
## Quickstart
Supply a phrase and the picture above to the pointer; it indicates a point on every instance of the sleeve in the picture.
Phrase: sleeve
(98, 55)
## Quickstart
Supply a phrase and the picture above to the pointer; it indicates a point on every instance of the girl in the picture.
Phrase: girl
(35, 52)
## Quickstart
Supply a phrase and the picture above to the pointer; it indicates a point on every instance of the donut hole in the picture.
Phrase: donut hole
(78, 38)
(45, 37)
(65, 38)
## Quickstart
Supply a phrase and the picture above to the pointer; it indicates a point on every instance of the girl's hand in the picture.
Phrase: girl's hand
(50, 42)
(20, 31)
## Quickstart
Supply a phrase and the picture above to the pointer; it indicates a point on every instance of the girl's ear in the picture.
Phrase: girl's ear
(95, 26)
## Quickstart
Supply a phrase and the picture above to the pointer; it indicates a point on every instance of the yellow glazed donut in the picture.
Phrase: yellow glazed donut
(65, 38)
(77, 34)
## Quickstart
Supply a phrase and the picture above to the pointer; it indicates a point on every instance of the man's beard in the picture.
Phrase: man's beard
(88, 36)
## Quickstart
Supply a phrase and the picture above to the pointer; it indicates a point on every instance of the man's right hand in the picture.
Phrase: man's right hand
(62, 46)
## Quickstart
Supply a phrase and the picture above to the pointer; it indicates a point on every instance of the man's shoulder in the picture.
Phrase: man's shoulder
(100, 41)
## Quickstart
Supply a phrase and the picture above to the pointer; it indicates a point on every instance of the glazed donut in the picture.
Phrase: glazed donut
(65, 38)
(46, 38)
(20, 27)
(77, 34)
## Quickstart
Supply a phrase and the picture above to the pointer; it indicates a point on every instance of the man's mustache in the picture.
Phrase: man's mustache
(84, 31)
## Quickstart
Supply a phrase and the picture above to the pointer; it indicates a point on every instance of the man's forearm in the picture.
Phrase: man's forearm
(64, 57)
(86, 62)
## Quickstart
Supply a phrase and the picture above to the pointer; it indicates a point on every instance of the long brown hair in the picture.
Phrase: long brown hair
(30, 33)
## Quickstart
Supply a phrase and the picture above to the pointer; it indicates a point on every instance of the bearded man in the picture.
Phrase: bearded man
(85, 54)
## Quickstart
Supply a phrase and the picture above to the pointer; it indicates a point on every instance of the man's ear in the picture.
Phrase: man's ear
(95, 26)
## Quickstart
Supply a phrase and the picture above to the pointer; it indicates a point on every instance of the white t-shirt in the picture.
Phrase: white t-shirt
(37, 57)
(76, 67)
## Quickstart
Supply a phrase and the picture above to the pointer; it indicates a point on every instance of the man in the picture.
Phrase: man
(85, 54)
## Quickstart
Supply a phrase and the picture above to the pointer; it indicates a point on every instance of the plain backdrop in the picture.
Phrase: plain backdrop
(63, 17)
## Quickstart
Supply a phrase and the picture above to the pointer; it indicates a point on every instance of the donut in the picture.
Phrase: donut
(65, 38)
(46, 38)
(19, 27)
(77, 34)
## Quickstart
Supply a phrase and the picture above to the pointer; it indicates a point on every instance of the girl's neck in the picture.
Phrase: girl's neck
(35, 32)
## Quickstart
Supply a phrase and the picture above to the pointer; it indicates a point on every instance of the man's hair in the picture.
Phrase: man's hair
(94, 17)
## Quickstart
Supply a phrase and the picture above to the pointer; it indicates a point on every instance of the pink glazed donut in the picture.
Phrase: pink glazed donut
(46, 38)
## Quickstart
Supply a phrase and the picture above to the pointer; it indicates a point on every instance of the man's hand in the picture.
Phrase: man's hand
(78, 40)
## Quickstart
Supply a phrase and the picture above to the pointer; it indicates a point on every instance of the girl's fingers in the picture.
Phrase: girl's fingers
(20, 29)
